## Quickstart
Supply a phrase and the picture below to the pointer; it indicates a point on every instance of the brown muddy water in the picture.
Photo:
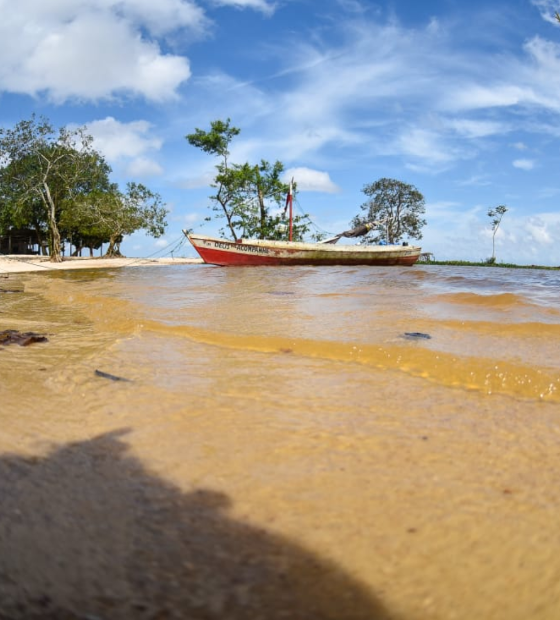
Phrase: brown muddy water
(281, 449)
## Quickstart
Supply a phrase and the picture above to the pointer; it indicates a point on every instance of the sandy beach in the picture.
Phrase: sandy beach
(25, 263)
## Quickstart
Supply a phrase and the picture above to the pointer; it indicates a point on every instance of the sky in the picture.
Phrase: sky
(460, 100)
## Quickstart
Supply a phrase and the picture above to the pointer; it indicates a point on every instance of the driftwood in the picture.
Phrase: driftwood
(11, 290)
(417, 335)
(359, 231)
(106, 375)
(12, 336)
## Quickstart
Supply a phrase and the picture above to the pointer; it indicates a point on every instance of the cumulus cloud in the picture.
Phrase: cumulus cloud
(90, 49)
(116, 140)
(309, 180)
(129, 145)
(539, 231)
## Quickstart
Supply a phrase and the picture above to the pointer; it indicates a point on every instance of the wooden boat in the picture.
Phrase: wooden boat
(254, 252)
(250, 252)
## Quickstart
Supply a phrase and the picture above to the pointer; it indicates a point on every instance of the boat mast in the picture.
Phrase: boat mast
(291, 200)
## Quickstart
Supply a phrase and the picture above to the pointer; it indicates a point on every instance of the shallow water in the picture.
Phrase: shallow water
(282, 448)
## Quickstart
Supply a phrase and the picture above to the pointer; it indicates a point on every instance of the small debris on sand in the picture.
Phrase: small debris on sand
(12, 336)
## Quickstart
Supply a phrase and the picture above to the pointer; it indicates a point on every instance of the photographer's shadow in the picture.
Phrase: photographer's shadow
(87, 532)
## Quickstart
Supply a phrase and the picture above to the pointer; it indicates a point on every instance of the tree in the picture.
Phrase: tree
(397, 206)
(245, 193)
(216, 142)
(496, 214)
(107, 216)
(42, 169)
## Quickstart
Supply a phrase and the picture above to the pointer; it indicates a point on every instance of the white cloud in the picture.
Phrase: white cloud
(143, 167)
(468, 236)
(477, 180)
(522, 81)
(192, 218)
(538, 231)
(264, 6)
(548, 192)
(90, 50)
(376, 78)
(548, 8)
(473, 96)
(116, 140)
(403, 87)
(309, 180)
(476, 128)
(127, 144)
(524, 164)
(443, 211)
(425, 145)
(160, 17)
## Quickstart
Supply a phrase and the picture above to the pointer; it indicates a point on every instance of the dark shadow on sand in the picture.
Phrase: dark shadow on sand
(88, 533)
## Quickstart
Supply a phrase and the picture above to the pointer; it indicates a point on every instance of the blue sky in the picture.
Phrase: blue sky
(461, 100)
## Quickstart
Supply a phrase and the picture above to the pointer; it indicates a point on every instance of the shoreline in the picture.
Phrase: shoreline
(23, 263)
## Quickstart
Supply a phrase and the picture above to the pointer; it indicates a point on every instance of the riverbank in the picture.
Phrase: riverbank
(24, 263)
(464, 263)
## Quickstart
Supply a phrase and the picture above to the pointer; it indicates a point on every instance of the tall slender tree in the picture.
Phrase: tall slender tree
(248, 196)
(496, 214)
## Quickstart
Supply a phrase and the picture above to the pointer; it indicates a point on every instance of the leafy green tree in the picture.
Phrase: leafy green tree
(245, 193)
(496, 214)
(397, 207)
(28, 214)
(107, 216)
(216, 142)
(42, 169)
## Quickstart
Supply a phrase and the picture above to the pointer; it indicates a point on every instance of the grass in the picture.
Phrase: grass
(464, 263)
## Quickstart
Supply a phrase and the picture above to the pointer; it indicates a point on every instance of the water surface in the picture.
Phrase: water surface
(282, 448)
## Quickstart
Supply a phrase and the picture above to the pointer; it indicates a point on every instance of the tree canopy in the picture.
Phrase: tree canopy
(108, 216)
(55, 181)
(397, 208)
(249, 196)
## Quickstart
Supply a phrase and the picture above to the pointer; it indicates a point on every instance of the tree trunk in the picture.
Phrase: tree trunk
(230, 224)
(56, 246)
(262, 213)
(114, 250)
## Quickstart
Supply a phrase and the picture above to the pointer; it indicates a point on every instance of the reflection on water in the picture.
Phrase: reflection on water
(419, 475)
